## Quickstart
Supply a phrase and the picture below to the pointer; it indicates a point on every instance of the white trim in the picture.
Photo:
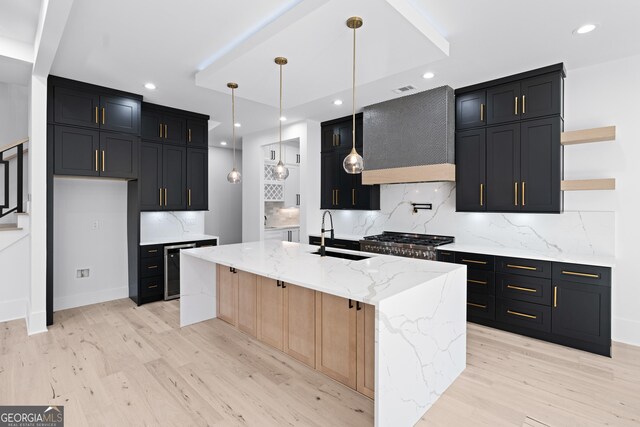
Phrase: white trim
(79, 300)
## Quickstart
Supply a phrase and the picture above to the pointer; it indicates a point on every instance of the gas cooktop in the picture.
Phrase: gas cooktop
(405, 244)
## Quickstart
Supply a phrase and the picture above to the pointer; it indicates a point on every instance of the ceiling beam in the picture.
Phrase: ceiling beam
(14, 49)
(51, 23)
(421, 23)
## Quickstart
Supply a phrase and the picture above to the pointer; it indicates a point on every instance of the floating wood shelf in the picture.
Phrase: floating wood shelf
(588, 184)
(585, 136)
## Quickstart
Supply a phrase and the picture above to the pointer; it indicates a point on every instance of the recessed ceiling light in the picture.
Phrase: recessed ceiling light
(150, 86)
(223, 142)
(237, 125)
(283, 119)
(337, 102)
(428, 75)
(586, 28)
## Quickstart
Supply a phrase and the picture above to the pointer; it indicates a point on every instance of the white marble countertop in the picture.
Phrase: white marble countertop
(354, 237)
(177, 239)
(603, 261)
(281, 227)
(370, 280)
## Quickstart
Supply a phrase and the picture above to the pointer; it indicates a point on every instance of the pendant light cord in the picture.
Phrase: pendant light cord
(353, 132)
(233, 124)
(280, 118)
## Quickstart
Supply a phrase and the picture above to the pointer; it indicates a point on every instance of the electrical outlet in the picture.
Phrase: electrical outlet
(82, 273)
(95, 225)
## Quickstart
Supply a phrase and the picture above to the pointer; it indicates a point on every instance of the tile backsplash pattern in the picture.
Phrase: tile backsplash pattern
(154, 225)
(279, 216)
(572, 232)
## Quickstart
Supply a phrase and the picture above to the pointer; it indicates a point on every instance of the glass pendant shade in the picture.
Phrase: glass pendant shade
(280, 172)
(234, 176)
(353, 163)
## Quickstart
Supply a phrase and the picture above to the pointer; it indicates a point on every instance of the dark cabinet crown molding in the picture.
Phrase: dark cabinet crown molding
(555, 68)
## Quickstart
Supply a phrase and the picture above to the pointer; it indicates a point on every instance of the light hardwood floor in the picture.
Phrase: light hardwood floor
(118, 364)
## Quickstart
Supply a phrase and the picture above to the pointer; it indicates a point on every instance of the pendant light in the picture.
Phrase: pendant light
(234, 176)
(280, 173)
(353, 163)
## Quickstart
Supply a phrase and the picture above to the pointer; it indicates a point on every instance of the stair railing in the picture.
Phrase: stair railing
(5, 208)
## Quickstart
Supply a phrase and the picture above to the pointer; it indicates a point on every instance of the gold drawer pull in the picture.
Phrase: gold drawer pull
(573, 273)
(445, 253)
(518, 288)
(476, 305)
(516, 313)
(152, 251)
(522, 267)
(472, 261)
(153, 286)
(479, 282)
(151, 267)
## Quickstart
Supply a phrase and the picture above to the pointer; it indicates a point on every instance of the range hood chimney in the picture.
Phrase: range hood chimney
(410, 139)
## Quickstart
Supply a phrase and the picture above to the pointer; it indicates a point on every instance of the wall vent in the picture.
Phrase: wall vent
(404, 89)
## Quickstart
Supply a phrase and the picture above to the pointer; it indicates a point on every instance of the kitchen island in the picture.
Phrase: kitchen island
(420, 311)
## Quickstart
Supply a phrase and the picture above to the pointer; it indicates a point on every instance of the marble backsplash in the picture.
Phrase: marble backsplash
(572, 232)
(279, 216)
(155, 225)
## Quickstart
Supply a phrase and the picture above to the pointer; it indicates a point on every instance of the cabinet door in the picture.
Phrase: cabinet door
(197, 132)
(336, 333)
(247, 303)
(174, 177)
(503, 168)
(227, 295)
(270, 312)
(270, 152)
(366, 320)
(150, 177)
(328, 180)
(292, 187)
(503, 103)
(471, 110)
(76, 151)
(471, 171)
(119, 155)
(300, 324)
(120, 114)
(295, 235)
(76, 107)
(541, 96)
(344, 135)
(582, 311)
(197, 179)
(175, 129)
(328, 142)
(540, 154)
(152, 129)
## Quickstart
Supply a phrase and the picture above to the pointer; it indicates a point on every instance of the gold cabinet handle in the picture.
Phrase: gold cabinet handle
(516, 106)
(482, 112)
(103, 114)
(517, 313)
(476, 305)
(522, 267)
(96, 115)
(153, 286)
(152, 251)
(165, 196)
(481, 194)
(160, 196)
(189, 135)
(473, 261)
(353, 196)
(166, 131)
(103, 157)
(160, 130)
(338, 140)
(515, 193)
(518, 288)
(96, 160)
(189, 196)
(523, 193)
(555, 296)
(152, 267)
(574, 273)
(524, 108)
(337, 196)
(479, 282)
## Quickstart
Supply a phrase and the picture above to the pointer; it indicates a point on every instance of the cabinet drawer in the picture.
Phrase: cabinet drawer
(446, 256)
(151, 251)
(523, 288)
(151, 267)
(582, 273)
(525, 267)
(343, 244)
(206, 243)
(151, 286)
(481, 306)
(524, 314)
(480, 282)
(476, 261)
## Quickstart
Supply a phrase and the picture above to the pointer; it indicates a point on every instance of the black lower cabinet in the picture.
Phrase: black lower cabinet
(567, 304)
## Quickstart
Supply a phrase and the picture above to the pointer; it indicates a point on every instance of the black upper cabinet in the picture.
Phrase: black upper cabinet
(174, 177)
(76, 151)
(197, 179)
(119, 155)
(338, 134)
(197, 132)
(503, 103)
(173, 126)
(150, 181)
(471, 170)
(328, 180)
(471, 110)
(503, 168)
(175, 129)
(542, 96)
(540, 158)
(152, 126)
(76, 107)
(120, 114)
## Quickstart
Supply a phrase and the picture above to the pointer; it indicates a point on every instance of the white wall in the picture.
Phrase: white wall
(14, 112)
(224, 218)
(165, 225)
(14, 281)
(90, 230)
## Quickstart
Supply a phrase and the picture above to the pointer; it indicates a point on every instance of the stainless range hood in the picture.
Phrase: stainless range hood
(410, 139)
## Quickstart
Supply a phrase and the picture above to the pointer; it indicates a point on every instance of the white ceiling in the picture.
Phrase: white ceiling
(123, 44)
(19, 19)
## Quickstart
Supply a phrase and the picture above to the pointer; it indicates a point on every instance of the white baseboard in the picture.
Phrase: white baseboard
(37, 322)
(79, 300)
(12, 310)
(626, 331)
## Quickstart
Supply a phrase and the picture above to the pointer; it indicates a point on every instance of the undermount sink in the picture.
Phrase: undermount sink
(352, 257)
